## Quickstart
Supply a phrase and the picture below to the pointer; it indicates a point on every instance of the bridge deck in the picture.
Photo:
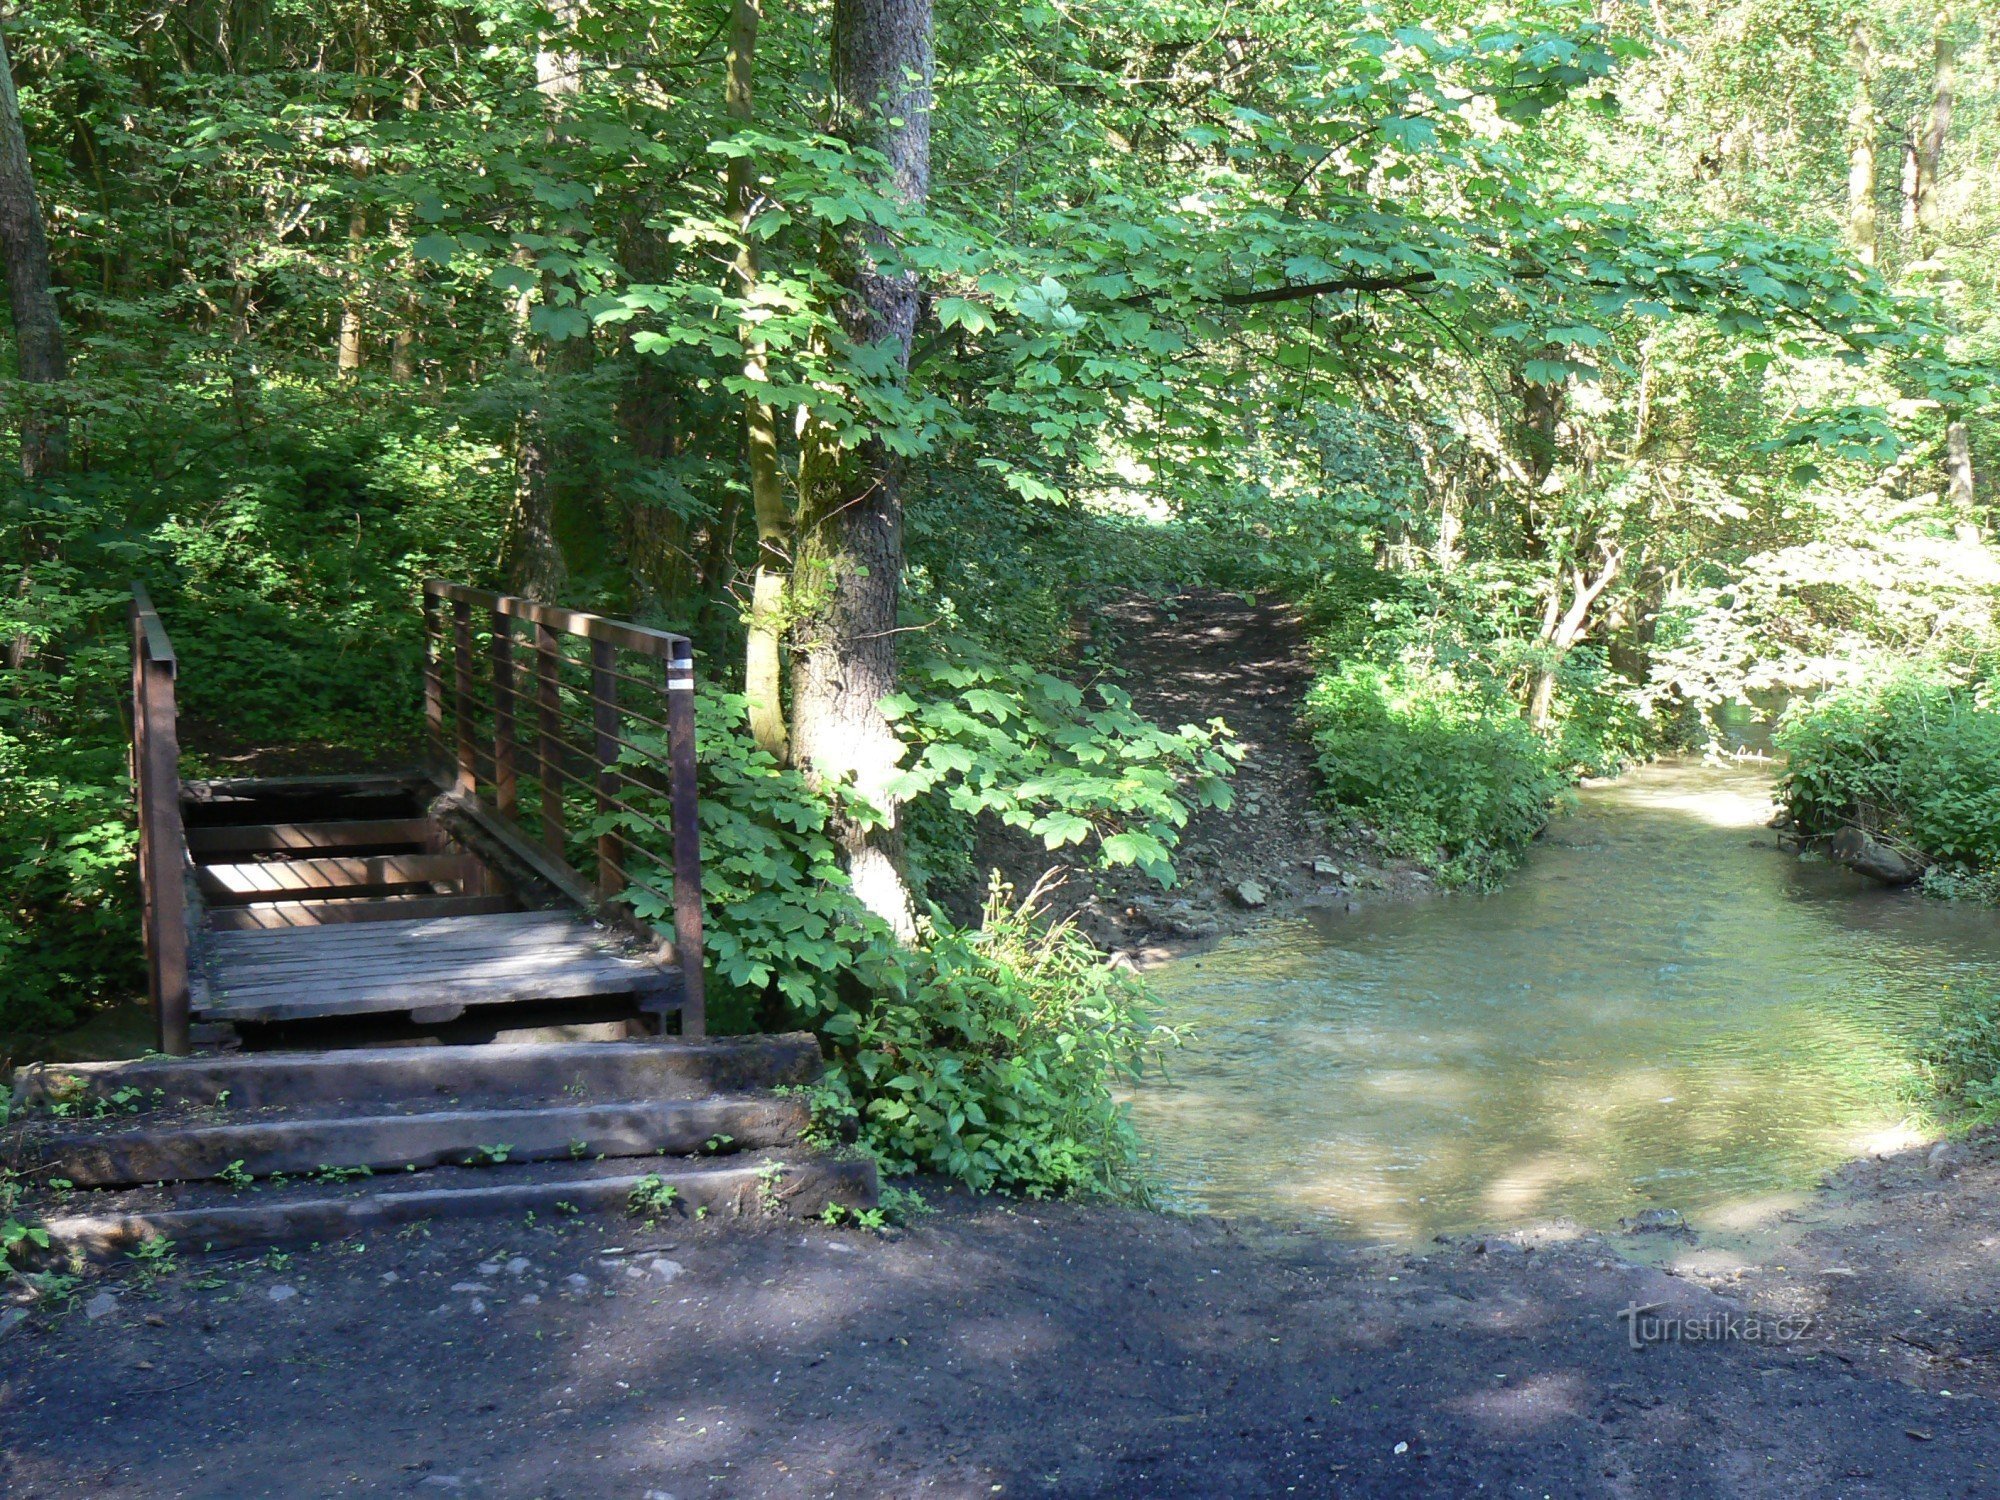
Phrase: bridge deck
(442, 964)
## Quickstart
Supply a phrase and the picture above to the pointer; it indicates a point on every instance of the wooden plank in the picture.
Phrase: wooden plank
(564, 984)
(344, 833)
(266, 916)
(275, 963)
(526, 981)
(274, 881)
(418, 927)
(362, 972)
(251, 788)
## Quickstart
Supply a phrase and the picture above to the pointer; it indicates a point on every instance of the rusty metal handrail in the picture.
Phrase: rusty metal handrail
(156, 783)
(507, 735)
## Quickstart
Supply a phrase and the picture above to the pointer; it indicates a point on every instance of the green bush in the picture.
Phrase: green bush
(1960, 1056)
(1913, 756)
(994, 1061)
(1442, 772)
(987, 1054)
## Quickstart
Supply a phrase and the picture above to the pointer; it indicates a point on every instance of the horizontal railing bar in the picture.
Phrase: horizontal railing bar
(523, 695)
(589, 784)
(641, 638)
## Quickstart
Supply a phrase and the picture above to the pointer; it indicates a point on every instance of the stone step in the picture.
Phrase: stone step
(411, 1076)
(799, 1185)
(184, 1152)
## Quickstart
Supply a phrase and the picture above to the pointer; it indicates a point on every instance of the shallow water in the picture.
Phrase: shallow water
(1660, 1010)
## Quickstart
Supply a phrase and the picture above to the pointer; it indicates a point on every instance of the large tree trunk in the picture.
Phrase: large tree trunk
(849, 551)
(38, 337)
(762, 662)
(1862, 129)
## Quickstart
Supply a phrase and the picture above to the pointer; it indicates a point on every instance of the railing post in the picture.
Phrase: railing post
(156, 765)
(506, 797)
(468, 766)
(433, 678)
(687, 838)
(548, 750)
(604, 724)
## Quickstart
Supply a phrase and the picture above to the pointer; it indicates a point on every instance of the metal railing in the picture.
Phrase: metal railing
(528, 724)
(156, 783)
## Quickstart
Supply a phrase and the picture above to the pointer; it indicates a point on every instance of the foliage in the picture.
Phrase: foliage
(1439, 770)
(1914, 755)
(1065, 764)
(995, 1059)
(1960, 1055)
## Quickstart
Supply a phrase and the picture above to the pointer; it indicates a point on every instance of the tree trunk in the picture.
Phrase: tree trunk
(1929, 152)
(1562, 629)
(1863, 130)
(849, 550)
(762, 661)
(1959, 489)
(38, 337)
(348, 353)
(538, 566)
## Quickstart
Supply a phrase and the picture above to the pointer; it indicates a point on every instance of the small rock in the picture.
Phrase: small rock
(665, 1269)
(488, 1267)
(1945, 1159)
(518, 1266)
(531, 1300)
(1655, 1221)
(281, 1292)
(470, 1286)
(476, 1306)
(100, 1306)
(578, 1282)
(443, 1481)
(11, 1319)
(1249, 893)
(390, 1278)
(656, 1495)
(154, 1320)
(1324, 866)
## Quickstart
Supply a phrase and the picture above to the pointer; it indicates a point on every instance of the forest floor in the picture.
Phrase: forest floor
(1007, 1348)
(1198, 656)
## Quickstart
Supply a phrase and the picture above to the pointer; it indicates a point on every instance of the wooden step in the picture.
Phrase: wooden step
(302, 879)
(347, 833)
(117, 1153)
(268, 915)
(662, 1069)
(799, 1185)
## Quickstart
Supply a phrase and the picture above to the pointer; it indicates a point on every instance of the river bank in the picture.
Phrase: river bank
(1200, 655)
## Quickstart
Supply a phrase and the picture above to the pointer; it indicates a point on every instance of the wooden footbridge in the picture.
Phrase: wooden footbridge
(493, 958)
(520, 867)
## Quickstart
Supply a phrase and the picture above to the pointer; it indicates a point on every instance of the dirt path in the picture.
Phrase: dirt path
(996, 1349)
(1187, 660)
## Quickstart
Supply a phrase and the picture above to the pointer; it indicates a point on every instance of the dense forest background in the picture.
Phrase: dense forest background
(1580, 368)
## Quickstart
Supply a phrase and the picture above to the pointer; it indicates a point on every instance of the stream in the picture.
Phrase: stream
(1660, 1010)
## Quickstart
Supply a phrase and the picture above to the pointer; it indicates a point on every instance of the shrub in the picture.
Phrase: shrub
(1960, 1056)
(995, 1060)
(1442, 772)
(1914, 756)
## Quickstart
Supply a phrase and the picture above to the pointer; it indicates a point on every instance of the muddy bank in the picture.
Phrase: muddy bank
(1186, 660)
